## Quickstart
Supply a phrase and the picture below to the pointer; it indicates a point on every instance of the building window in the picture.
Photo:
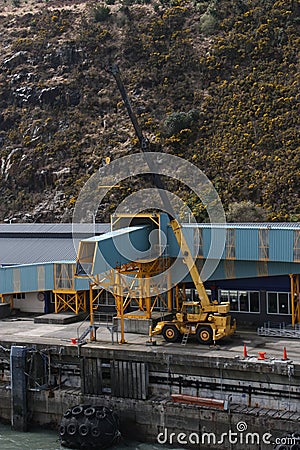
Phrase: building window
(297, 245)
(254, 301)
(195, 295)
(19, 296)
(64, 276)
(85, 259)
(230, 244)
(278, 303)
(263, 244)
(241, 301)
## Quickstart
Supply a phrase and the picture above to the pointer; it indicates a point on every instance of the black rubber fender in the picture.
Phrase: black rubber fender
(71, 429)
(68, 413)
(89, 412)
(77, 410)
(100, 415)
(95, 432)
(89, 427)
(84, 429)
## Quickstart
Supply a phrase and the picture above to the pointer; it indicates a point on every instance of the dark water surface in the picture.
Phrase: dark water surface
(48, 440)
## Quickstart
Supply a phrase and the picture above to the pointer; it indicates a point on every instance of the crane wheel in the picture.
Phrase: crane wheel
(204, 335)
(171, 333)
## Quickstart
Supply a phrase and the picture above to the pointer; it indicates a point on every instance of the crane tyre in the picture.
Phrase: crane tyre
(171, 333)
(204, 335)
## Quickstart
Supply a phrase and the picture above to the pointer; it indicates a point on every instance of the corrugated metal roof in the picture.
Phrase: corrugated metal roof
(35, 250)
(34, 243)
(112, 234)
(252, 225)
(50, 228)
(39, 243)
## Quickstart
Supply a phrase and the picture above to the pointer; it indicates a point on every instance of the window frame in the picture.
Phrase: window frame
(277, 303)
(19, 296)
(237, 293)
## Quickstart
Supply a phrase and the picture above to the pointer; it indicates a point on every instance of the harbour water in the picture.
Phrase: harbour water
(40, 439)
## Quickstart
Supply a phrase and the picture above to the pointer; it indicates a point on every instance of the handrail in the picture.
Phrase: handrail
(78, 328)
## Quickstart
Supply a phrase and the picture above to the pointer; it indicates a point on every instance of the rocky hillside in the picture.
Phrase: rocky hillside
(216, 82)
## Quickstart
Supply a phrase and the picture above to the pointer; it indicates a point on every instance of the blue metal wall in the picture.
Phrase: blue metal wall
(32, 278)
(118, 247)
(281, 241)
(246, 244)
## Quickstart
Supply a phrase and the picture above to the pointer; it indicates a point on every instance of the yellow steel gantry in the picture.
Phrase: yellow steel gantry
(66, 297)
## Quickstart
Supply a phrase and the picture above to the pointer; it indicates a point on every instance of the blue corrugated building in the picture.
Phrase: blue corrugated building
(37, 266)
(256, 265)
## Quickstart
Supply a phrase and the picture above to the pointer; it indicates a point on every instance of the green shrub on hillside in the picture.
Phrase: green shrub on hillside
(101, 13)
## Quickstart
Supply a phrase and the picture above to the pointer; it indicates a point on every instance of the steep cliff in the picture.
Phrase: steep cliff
(216, 82)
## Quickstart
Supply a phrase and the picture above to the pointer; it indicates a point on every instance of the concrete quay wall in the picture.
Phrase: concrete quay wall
(138, 382)
(163, 422)
(267, 384)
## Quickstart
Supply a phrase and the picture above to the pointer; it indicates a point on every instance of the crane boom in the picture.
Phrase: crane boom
(144, 142)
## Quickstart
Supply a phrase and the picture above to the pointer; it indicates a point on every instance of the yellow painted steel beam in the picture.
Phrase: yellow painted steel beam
(92, 333)
(295, 299)
(119, 298)
(188, 259)
(7, 298)
(170, 297)
(69, 300)
(148, 296)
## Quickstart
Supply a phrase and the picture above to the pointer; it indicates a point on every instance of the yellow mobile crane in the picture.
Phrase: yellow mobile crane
(208, 320)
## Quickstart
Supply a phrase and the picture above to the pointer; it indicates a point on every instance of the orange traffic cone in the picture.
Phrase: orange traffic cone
(245, 351)
(284, 358)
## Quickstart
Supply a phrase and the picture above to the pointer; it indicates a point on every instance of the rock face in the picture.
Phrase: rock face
(16, 60)
(218, 86)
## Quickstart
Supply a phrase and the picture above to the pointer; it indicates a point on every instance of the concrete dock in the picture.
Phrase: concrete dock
(25, 331)
(138, 380)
